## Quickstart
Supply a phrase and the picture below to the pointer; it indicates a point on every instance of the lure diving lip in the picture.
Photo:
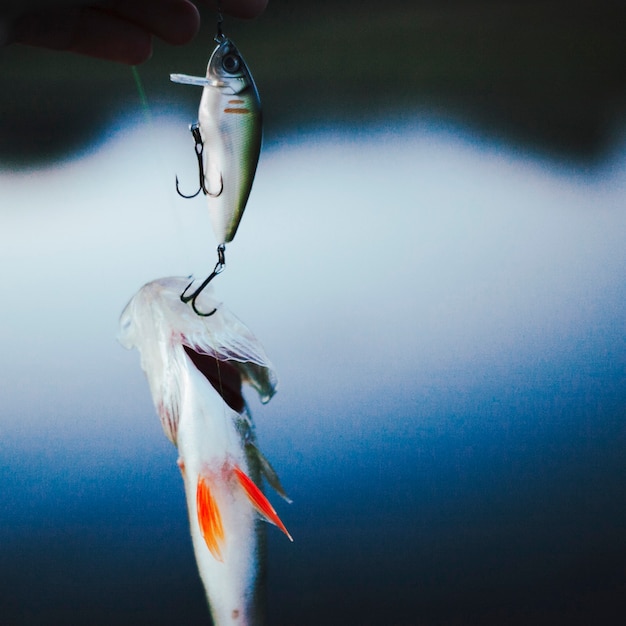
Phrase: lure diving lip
(228, 135)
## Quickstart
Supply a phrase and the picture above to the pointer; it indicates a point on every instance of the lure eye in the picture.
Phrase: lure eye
(231, 63)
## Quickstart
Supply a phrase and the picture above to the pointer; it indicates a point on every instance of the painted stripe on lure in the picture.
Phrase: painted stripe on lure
(195, 367)
(230, 127)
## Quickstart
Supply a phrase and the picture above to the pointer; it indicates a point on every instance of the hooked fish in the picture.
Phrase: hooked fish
(228, 135)
(195, 367)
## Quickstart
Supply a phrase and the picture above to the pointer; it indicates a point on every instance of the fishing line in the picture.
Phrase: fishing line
(221, 385)
(220, 249)
(162, 164)
(147, 113)
(220, 35)
(149, 120)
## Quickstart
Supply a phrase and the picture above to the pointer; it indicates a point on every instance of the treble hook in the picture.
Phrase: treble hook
(199, 150)
(219, 267)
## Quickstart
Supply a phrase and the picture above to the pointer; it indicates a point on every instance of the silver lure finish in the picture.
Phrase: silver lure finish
(230, 124)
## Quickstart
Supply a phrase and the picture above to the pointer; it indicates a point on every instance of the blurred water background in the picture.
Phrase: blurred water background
(433, 255)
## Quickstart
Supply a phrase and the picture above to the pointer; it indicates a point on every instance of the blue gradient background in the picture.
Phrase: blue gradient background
(446, 317)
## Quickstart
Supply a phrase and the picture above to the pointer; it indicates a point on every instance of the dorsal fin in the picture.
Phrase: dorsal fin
(209, 518)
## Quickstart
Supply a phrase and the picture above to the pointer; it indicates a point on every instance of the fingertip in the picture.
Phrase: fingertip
(135, 54)
(177, 23)
(189, 24)
(127, 52)
(103, 36)
(245, 9)
(254, 8)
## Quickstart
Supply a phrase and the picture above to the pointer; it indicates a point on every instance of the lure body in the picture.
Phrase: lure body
(195, 366)
(230, 124)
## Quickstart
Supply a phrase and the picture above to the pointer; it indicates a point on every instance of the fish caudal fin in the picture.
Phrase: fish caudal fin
(209, 518)
(259, 501)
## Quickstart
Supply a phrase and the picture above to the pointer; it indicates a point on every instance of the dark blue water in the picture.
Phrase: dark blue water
(510, 511)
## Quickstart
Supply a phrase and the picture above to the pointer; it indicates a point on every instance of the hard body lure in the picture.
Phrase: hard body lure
(195, 368)
(227, 135)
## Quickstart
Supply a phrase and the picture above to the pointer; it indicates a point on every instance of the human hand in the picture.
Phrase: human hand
(117, 30)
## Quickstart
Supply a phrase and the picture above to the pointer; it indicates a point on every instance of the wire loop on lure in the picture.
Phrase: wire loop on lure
(218, 269)
(219, 37)
(199, 150)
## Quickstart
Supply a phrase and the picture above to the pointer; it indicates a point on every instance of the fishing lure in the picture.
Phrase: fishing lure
(227, 135)
(195, 366)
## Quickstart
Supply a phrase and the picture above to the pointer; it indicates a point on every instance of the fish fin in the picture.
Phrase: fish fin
(209, 518)
(261, 377)
(269, 472)
(259, 501)
(231, 340)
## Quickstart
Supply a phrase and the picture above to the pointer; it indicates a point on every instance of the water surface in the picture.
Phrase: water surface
(446, 317)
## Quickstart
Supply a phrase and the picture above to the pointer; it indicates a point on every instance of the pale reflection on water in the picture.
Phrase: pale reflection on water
(446, 318)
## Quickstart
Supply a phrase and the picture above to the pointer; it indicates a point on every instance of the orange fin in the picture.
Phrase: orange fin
(209, 518)
(259, 501)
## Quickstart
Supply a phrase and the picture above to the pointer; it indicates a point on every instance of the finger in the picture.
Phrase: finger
(87, 31)
(106, 36)
(175, 21)
(246, 9)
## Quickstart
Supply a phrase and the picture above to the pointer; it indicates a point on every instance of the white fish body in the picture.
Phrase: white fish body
(230, 123)
(184, 356)
(208, 450)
